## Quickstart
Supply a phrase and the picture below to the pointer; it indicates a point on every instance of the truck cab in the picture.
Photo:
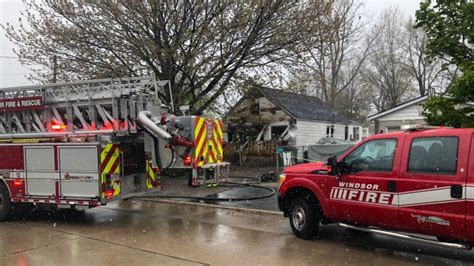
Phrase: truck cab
(415, 181)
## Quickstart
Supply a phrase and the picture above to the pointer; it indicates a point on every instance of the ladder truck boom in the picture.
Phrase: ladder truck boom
(78, 107)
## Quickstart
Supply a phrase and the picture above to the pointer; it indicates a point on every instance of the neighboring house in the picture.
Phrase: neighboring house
(300, 119)
(408, 113)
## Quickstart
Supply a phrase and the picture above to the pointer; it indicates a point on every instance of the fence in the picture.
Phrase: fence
(268, 153)
(252, 153)
(287, 155)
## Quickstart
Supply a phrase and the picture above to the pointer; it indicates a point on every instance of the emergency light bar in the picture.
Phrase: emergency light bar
(409, 127)
(420, 127)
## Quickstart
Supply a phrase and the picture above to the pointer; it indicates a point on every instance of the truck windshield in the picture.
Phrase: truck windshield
(375, 155)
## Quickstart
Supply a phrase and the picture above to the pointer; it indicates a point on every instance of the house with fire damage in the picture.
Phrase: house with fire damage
(265, 114)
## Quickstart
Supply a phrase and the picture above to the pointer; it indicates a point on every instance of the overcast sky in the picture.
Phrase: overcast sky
(12, 73)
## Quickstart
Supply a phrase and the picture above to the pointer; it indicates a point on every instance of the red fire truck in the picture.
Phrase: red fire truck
(415, 181)
(82, 144)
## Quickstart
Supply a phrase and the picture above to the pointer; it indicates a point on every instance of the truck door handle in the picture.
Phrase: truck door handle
(456, 191)
(392, 186)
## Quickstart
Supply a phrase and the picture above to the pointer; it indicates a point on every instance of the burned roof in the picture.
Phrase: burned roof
(304, 107)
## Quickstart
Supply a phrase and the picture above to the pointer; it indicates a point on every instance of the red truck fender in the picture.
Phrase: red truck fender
(301, 185)
(5, 183)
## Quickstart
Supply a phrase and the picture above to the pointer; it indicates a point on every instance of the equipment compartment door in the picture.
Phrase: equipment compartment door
(40, 173)
(79, 171)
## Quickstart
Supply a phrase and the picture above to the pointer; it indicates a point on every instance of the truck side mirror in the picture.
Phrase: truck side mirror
(333, 168)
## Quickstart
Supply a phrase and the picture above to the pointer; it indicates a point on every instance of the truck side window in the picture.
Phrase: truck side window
(437, 155)
(375, 155)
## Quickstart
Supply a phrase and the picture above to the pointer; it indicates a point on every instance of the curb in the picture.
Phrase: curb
(215, 206)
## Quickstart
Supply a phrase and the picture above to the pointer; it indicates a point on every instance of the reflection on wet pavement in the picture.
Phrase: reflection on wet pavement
(144, 232)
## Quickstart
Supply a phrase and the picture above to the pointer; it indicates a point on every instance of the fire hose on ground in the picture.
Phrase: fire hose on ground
(270, 193)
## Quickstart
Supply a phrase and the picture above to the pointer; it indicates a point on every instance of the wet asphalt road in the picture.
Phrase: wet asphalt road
(266, 204)
(150, 233)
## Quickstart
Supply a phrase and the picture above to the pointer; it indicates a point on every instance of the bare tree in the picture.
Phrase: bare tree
(386, 73)
(354, 102)
(428, 74)
(328, 56)
(200, 46)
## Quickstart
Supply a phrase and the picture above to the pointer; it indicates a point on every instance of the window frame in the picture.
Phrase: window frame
(277, 135)
(356, 133)
(330, 131)
(433, 173)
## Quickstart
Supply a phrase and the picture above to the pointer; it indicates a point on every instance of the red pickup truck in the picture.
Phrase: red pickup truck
(415, 181)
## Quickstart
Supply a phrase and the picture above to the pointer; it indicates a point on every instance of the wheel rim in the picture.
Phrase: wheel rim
(299, 218)
(1, 201)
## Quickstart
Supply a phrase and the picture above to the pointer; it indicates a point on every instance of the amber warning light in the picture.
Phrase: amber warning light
(58, 127)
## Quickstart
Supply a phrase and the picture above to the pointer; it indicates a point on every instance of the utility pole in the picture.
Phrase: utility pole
(55, 68)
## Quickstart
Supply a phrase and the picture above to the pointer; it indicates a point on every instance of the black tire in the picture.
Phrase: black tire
(304, 219)
(5, 204)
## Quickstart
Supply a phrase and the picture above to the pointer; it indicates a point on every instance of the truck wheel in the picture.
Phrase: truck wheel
(5, 204)
(304, 219)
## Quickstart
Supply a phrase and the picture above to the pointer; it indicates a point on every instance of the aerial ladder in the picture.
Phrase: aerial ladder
(88, 142)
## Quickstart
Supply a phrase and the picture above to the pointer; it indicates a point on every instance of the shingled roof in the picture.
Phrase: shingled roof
(303, 107)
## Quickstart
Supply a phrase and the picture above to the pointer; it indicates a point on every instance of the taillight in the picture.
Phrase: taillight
(18, 182)
(109, 193)
(187, 160)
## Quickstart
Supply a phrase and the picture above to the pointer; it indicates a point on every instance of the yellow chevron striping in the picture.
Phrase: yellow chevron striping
(204, 155)
(215, 148)
(219, 128)
(201, 142)
(151, 175)
(117, 188)
(219, 144)
(105, 151)
(198, 127)
(212, 150)
(111, 162)
(219, 150)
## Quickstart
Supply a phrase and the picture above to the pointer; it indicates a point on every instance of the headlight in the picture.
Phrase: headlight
(282, 178)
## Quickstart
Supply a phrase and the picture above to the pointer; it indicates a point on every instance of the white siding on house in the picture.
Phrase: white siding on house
(412, 112)
(339, 131)
(308, 132)
(409, 115)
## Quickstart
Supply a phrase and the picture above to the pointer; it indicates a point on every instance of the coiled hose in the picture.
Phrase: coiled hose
(270, 193)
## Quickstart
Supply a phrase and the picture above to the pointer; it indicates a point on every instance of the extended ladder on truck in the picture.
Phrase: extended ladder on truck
(85, 143)
(97, 106)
